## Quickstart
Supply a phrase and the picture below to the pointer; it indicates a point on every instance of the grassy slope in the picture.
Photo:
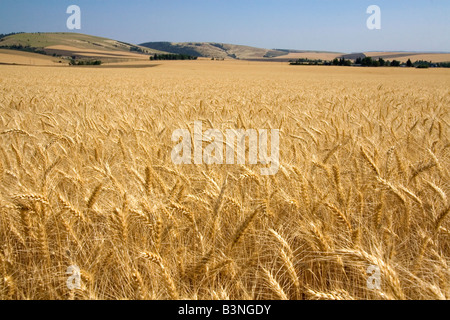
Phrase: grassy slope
(76, 40)
(28, 58)
(214, 50)
(230, 51)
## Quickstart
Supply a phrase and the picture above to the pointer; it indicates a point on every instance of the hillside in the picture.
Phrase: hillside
(81, 46)
(414, 56)
(214, 50)
(313, 55)
(231, 51)
(14, 57)
(75, 44)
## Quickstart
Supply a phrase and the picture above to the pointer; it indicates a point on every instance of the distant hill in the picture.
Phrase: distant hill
(232, 51)
(401, 56)
(353, 56)
(75, 45)
(414, 56)
(307, 54)
(215, 50)
(81, 46)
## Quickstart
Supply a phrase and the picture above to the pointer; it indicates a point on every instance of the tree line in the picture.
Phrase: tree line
(74, 62)
(370, 62)
(380, 62)
(171, 56)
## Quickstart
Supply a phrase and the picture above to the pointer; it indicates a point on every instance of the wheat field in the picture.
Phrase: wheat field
(86, 179)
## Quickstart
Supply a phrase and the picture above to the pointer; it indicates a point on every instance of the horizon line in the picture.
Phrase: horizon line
(281, 49)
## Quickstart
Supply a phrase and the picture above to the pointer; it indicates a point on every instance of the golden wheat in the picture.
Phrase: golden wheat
(86, 179)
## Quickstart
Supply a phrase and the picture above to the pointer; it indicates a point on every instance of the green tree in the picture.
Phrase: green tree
(367, 61)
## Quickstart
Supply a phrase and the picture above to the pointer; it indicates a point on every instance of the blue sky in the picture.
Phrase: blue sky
(331, 25)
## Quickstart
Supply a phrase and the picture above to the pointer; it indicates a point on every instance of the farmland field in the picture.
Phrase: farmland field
(10, 57)
(87, 180)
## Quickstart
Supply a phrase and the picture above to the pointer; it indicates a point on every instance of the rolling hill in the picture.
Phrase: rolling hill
(81, 46)
(231, 51)
(414, 56)
(76, 45)
(14, 57)
(214, 50)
